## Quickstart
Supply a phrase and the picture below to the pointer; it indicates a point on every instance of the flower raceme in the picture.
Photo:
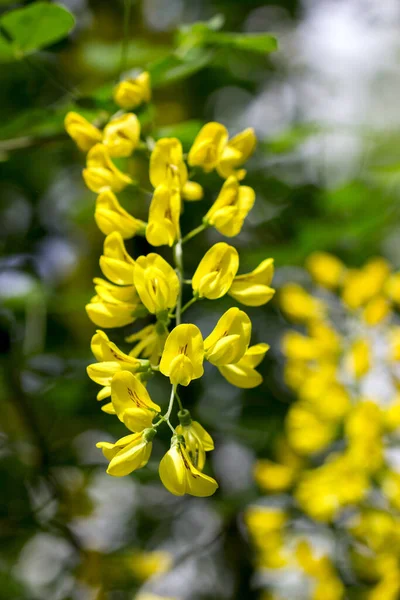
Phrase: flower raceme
(150, 286)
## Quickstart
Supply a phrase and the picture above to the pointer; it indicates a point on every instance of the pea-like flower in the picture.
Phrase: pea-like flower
(212, 150)
(121, 135)
(168, 168)
(167, 165)
(156, 282)
(131, 401)
(235, 154)
(84, 134)
(113, 306)
(230, 209)
(182, 358)
(165, 208)
(110, 216)
(243, 373)
(101, 174)
(208, 146)
(132, 92)
(253, 289)
(180, 476)
(117, 265)
(230, 338)
(216, 271)
(111, 360)
(128, 454)
(326, 269)
(197, 440)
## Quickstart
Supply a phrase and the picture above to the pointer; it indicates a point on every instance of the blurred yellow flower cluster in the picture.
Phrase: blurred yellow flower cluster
(150, 287)
(338, 458)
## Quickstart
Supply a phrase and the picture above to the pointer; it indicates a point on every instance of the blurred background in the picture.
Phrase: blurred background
(327, 176)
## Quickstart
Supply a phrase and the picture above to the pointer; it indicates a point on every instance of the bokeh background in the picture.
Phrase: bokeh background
(327, 176)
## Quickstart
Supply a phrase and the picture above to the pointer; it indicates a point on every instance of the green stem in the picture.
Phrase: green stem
(194, 232)
(125, 40)
(179, 270)
(189, 303)
(179, 400)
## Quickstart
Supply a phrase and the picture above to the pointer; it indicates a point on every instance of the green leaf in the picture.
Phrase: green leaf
(262, 43)
(32, 28)
(173, 68)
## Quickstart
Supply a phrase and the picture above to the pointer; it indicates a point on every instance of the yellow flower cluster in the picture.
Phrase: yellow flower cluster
(149, 286)
(338, 458)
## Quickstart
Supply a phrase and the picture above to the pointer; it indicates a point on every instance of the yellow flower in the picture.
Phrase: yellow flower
(111, 360)
(230, 209)
(322, 492)
(299, 305)
(150, 342)
(156, 282)
(101, 174)
(243, 373)
(394, 343)
(299, 347)
(216, 271)
(84, 134)
(197, 440)
(182, 358)
(180, 476)
(108, 292)
(376, 310)
(392, 287)
(229, 339)
(326, 269)
(235, 153)
(307, 433)
(110, 216)
(131, 401)
(110, 314)
(166, 164)
(128, 454)
(164, 214)
(361, 285)
(252, 289)
(358, 360)
(273, 477)
(146, 564)
(208, 146)
(121, 135)
(132, 92)
(115, 262)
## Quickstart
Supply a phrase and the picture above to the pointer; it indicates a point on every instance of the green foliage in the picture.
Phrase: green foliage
(34, 27)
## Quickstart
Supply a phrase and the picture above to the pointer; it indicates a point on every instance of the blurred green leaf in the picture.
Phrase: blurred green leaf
(105, 57)
(263, 43)
(173, 68)
(32, 28)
